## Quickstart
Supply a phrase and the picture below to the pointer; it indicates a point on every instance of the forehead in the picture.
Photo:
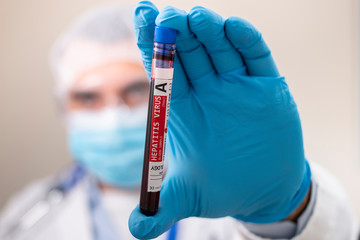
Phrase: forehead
(114, 74)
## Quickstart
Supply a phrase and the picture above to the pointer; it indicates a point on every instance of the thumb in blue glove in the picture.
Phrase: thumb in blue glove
(234, 129)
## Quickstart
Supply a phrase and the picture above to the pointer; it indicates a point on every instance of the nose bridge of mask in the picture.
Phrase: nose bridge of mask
(108, 118)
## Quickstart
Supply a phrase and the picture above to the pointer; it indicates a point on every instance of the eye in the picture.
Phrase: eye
(85, 99)
(136, 93)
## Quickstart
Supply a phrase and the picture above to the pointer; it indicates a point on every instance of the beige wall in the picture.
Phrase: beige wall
(314, 43)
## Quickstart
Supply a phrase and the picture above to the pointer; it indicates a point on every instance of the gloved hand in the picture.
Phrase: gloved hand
(234, 129)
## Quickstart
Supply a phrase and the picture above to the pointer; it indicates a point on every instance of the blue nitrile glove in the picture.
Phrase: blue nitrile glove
(234, 129)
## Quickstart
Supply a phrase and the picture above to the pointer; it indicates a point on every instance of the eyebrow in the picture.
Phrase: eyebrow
(134, 85)
(82, 94)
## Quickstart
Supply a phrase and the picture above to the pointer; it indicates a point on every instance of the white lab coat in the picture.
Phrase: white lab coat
(332, 218)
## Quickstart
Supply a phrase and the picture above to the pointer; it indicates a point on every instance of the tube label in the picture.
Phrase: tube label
(162, 78)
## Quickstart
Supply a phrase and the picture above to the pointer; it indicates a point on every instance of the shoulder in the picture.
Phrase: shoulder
(23, 200)
(29, 199)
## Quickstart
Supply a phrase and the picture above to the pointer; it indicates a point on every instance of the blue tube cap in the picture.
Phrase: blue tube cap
(165, 35)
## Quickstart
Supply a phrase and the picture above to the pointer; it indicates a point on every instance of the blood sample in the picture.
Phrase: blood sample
(158, 112)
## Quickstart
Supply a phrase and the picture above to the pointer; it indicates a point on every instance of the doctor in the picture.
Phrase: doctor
(237, 158)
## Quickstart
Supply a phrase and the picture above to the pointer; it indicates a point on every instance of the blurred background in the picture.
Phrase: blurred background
(315, 44)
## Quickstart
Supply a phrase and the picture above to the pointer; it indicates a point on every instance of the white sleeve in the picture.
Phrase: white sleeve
(332, 217)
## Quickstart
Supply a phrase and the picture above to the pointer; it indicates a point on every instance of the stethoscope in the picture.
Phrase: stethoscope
(56, 193)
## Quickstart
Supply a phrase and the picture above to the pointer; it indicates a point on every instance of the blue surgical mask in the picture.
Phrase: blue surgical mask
(110, 143)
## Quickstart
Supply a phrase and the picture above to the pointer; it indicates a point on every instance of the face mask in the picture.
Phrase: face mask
(110, 143)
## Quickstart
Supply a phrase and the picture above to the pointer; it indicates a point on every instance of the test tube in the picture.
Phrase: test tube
(157, 121)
